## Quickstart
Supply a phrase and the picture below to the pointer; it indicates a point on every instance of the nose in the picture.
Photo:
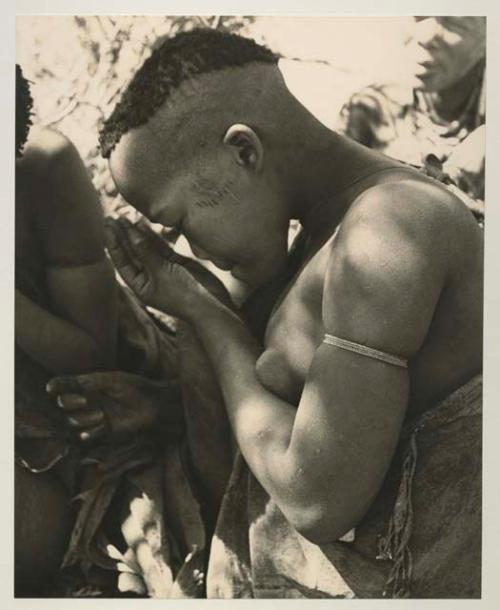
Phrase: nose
(426, 32)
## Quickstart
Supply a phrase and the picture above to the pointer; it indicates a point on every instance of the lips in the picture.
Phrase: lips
(426, 63)
(424, 67)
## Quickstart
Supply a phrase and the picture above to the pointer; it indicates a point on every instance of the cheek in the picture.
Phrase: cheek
(268, 258)
(232, 221)
(213, 232)
(460, 52)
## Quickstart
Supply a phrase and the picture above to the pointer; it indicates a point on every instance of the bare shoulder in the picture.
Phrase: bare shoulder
(396, 248)
(66, 208)
(49, 158)
(409, 216)
(419, 202)
(44, 145)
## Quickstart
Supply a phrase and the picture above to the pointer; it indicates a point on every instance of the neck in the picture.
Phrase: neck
(320, 172)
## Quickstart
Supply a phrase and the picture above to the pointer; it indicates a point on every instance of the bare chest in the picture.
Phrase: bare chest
(294, 331)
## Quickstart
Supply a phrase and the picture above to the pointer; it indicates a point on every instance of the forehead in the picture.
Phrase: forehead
(143, 164)
(132, 163)
(155, 180)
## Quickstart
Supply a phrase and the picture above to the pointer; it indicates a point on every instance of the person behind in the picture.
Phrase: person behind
(443, 114)
(72, 317)
(65, 322)
(356, 408)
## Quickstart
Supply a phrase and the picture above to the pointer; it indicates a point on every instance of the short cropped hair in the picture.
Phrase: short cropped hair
(179, 58)
(24, 104)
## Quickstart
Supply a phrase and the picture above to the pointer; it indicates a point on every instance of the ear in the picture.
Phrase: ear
(245, 146)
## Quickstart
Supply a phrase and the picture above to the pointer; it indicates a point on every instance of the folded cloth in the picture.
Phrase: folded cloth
(421, 537)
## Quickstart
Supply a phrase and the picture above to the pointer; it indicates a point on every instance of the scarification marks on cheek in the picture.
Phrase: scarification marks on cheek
(207, 202)
(212, 194)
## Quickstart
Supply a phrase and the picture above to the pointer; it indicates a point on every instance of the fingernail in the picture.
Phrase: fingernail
(48, 387)
(72, 422)
(84, 436)
(60, 402)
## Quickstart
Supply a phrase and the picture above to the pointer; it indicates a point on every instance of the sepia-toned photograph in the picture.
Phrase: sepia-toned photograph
(249, 258)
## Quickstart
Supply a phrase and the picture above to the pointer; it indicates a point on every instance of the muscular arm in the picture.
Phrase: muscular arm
(79, 278)
(324, 462)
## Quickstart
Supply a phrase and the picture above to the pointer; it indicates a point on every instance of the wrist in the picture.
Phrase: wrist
(208, 311)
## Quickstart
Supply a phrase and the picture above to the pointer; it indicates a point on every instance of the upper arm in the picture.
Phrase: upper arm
(68, 213)
(385, 274)
(69, 223)
(380, 291)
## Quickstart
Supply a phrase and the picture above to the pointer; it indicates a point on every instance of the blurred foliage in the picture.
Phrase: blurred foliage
(79, 66)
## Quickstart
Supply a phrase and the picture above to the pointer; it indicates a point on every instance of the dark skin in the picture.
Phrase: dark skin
(280, 440)
(317, 425)
(70, 329)
(60, 223)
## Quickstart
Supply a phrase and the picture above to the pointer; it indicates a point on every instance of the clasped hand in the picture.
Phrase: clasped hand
(160, 277)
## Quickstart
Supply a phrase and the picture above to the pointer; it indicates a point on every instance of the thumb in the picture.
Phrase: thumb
(119, 248)
(95, 382)
(139, 240)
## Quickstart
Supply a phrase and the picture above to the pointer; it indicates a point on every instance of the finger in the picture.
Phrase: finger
(160, 246)
(143, 241)
(63, 385)
(122, 254)
(71, 402)
(131, 261)
(156, 241)
(91, 435)
(116, 242)
(163, 249)
(85, 418)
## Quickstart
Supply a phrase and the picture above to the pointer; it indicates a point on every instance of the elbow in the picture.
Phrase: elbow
(321, 523)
